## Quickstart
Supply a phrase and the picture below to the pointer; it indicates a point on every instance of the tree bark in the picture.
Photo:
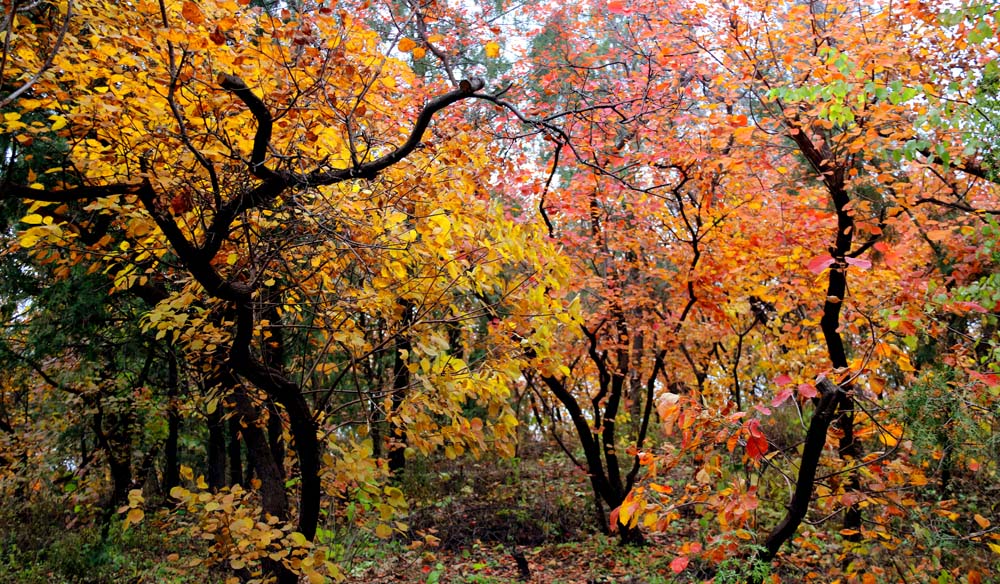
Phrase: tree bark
(216, 447)
(826, 409)
(235, 451)
(274, 499)
(400, 385)
(171, 471)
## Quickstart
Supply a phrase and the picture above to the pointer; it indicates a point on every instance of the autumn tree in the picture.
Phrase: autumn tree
(256, 163)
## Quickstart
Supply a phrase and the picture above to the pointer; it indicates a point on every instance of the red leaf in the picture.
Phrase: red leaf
(858, 263)
(756, 441)
(808, 391)
(820, 263)
(782, 380)
(614, 518)
(990, 379)
(679, 564)
(763, 409)
(781, 397)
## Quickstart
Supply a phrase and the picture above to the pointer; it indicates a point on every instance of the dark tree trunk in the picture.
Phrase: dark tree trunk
(826, 408)
(235, 451)
(274, 499)
(216, 447)
(171, 471)
(275, 430)
(121, 478)
(400, 385)
(283, 391)
(834, 178)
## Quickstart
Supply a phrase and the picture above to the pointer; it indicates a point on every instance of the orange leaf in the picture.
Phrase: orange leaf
(617, 7)
(192, 13)
(981, 521)
(938, 234)
(406, 45)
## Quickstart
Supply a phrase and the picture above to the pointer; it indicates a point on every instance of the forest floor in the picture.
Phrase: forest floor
(468, 523)
(479, 516)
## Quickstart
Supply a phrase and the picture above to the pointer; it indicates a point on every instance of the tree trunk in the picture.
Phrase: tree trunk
(400, 384)
(171, 471)
(216, 447)
(812, 450)
(235, 451)
(274, 499)
(275, 431)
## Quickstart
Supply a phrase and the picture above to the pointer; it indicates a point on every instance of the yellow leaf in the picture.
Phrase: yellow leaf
(134, 516)
(441, 226)
(383, 531)
(231, 258)
(32, 219)
(398, 270)
(58, 122)
(995, 547)
(508, 420)
(903, 362)
(628, 507)
(492, 49)
(406, 44)
(28, 240)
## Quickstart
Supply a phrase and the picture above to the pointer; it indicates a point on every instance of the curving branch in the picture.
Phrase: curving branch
(265, 123)
(466, 89)
(49, 59)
